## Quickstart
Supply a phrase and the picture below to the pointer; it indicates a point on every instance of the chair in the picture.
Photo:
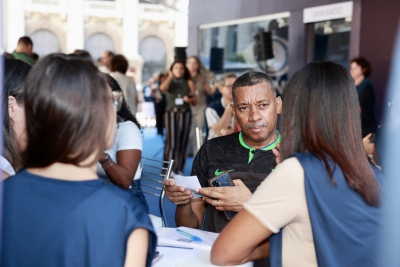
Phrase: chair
(153, 172)
(199, 137)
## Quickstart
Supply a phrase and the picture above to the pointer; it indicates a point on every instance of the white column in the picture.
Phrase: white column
(181, 29)
(130, 29)
(15, 23)
(75, 26)
(130, 37)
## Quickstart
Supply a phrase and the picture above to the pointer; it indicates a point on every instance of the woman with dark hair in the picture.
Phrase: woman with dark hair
(119, 67)
(180, 94)
(202, 87)
(121, 162)
(56, 211)
(322, 201)
(360, 70)
(14, 138)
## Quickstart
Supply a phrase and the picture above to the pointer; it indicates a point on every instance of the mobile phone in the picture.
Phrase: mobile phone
(223, 180)
(372, 138)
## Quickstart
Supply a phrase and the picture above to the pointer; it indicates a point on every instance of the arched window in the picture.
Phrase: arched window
(154, 54)
(45, 42)
(97, 43)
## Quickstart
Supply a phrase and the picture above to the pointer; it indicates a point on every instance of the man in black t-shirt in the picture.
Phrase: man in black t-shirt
(249, 156)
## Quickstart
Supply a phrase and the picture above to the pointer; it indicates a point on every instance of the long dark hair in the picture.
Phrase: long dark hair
(15, 74)
(124, 114)
(186, 75)
(68, 111)
(321, 115)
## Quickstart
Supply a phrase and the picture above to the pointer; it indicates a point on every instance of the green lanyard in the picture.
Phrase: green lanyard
(252, 150)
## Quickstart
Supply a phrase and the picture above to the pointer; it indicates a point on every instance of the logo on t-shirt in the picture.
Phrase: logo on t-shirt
(221, 172)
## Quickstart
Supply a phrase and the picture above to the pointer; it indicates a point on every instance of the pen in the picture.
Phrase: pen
(192, 237)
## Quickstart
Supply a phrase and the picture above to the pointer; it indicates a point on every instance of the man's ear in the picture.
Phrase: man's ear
(233, 110)
(278, 105)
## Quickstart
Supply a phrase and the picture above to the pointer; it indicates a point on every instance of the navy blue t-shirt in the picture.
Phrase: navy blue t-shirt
(51, 222)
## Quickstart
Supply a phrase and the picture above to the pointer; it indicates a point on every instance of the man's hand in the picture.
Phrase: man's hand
(226, 198)
(277, 153)
(176, 194)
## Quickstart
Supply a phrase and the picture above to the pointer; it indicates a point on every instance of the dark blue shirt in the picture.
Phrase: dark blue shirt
(344, 226)
(51, 222)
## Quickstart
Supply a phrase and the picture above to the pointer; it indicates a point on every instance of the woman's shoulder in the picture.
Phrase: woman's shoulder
(128, 126)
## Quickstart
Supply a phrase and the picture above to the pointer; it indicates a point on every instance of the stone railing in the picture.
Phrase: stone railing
(110, 9)
(46, 6)
(155, 13)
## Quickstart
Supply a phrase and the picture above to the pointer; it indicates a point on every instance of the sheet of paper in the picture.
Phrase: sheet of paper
(188, 182)
(171, 237)
(172, 256)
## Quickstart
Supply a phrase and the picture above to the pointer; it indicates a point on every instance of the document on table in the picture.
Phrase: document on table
(171, 237)
(172, 256)
(188, 182)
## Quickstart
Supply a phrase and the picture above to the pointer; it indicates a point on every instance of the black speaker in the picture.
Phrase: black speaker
(180, 54)
(217, 60)
(263, 46)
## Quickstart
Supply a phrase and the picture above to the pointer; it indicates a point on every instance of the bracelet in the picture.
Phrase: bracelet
(108, 166)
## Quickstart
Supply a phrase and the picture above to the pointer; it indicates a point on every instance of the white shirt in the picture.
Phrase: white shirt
(127, 137)
(6, 167)
(128, 88)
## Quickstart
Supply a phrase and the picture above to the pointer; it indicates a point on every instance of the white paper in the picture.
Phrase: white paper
(188, 182)
(171, 237)
(172, 256)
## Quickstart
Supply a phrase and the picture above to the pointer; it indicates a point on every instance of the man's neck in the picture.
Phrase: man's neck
(260, 145)
(359, 80)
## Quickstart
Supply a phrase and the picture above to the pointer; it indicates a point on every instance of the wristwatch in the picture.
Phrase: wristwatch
(107, 159)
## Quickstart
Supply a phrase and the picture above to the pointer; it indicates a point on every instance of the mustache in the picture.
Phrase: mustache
(257, 124)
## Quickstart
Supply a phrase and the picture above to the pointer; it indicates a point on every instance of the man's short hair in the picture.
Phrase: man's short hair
(25, 40)
(252, 78)
(119, 63)
(227, 76)
(364, 64)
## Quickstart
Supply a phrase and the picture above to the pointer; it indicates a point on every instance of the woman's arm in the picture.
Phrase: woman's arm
(191, 100)
(136, 248)
(164, 86)
(237, 244)
(123, 171)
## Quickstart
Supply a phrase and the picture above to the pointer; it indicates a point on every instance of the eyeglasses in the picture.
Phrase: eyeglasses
(117, 98)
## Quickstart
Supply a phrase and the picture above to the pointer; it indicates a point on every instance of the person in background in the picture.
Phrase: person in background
(14, 130)
(219, 114)
(199, 75)
(180, 94)
(322, 201)
(148, 103)
(106, 57)
(121, 163)
(24, 50)
(83, 54)
(360, 70)
(159, 104)
(36, 57)
(71, 218)
(118, 67)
